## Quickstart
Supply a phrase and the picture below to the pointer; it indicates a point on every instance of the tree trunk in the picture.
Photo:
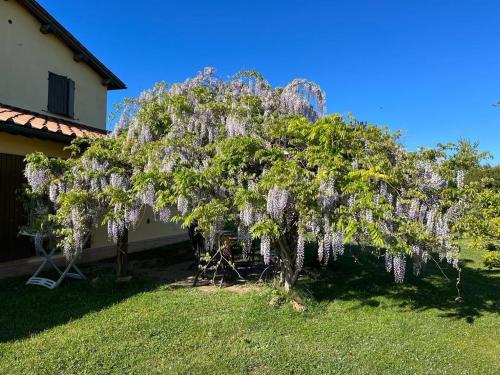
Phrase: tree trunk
(122, 255)
(287, 245)
(288, 279)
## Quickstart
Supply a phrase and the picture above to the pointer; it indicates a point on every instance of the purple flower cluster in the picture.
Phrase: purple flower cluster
(414, 209)
(235, 126)
(182, 204)
(430, 179)
(325, 243)
(245, 237)
(132, 214)
(299, 260)
(460, 179)
(327, 194)
(265, 248)
(417, 259)
(148, 195)
(164, 214)
(338, 243)
(247, 215)
(118, 181)
(399, 265)
(116, 229)
(277, 200)
(304, 98)
(388, 261)
(321, 249)
(37, 177)
(53, 192)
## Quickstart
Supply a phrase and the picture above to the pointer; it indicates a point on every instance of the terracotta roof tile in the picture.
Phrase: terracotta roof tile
(77, 131)
(52, 126)
(47, 124)
(38, 122)
(22, 119)
(7, 115)
(65, 129)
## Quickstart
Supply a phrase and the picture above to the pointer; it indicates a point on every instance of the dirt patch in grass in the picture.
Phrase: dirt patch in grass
(242, 288)
(182, 275)
(177, 271)
(237, 289)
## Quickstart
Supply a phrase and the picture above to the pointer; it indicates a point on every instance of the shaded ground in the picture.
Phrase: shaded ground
(161, 268)
(356, 321)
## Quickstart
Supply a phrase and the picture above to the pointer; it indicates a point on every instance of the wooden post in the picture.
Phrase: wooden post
(122, 255)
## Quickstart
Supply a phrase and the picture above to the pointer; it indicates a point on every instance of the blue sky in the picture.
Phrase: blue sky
(429, 68)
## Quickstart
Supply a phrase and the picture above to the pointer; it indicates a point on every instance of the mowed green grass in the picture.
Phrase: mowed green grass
(357, 321)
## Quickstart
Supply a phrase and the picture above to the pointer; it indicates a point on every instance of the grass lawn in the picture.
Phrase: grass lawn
(357, 321)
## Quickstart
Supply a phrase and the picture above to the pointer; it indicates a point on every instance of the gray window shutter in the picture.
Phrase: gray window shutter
(71, 98)
(61, 95)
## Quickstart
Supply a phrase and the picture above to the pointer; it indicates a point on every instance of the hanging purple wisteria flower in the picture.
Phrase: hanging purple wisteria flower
(338, 243)
(182, 204)
(399, 264)
(164, 214)
(460, 179)
(246, 215)
(388, 261)
(148, 195)
(276, 202)
(299, 260)
(37, 177)
(265, 248)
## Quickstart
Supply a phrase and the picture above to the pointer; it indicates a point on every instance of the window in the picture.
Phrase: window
(61, 95)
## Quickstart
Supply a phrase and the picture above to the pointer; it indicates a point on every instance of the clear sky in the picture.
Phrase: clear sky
(430, 68)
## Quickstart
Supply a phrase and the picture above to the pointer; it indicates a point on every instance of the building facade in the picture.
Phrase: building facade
(52, 89)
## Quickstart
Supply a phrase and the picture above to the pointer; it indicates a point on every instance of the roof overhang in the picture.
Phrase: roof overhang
(23, 122)
(80, 54)
(35, 133)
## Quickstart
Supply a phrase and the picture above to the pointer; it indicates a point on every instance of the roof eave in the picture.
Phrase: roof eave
(35, 133)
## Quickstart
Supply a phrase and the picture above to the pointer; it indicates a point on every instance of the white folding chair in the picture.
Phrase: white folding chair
(38, 239)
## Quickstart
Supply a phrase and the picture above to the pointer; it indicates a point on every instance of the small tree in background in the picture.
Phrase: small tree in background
(268, 161)
(482, 222)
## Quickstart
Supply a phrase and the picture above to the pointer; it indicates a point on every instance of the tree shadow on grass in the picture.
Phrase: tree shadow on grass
(356, 276)
(26, 310)
(359, 276)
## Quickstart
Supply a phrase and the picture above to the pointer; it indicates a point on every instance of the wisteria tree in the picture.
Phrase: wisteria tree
(268, 161)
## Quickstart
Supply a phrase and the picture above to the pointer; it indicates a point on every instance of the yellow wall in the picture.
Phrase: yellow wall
(21, 145)
(27, 56)
(143, 231)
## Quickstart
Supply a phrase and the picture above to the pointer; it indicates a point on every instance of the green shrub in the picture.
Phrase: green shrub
(492, 259)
